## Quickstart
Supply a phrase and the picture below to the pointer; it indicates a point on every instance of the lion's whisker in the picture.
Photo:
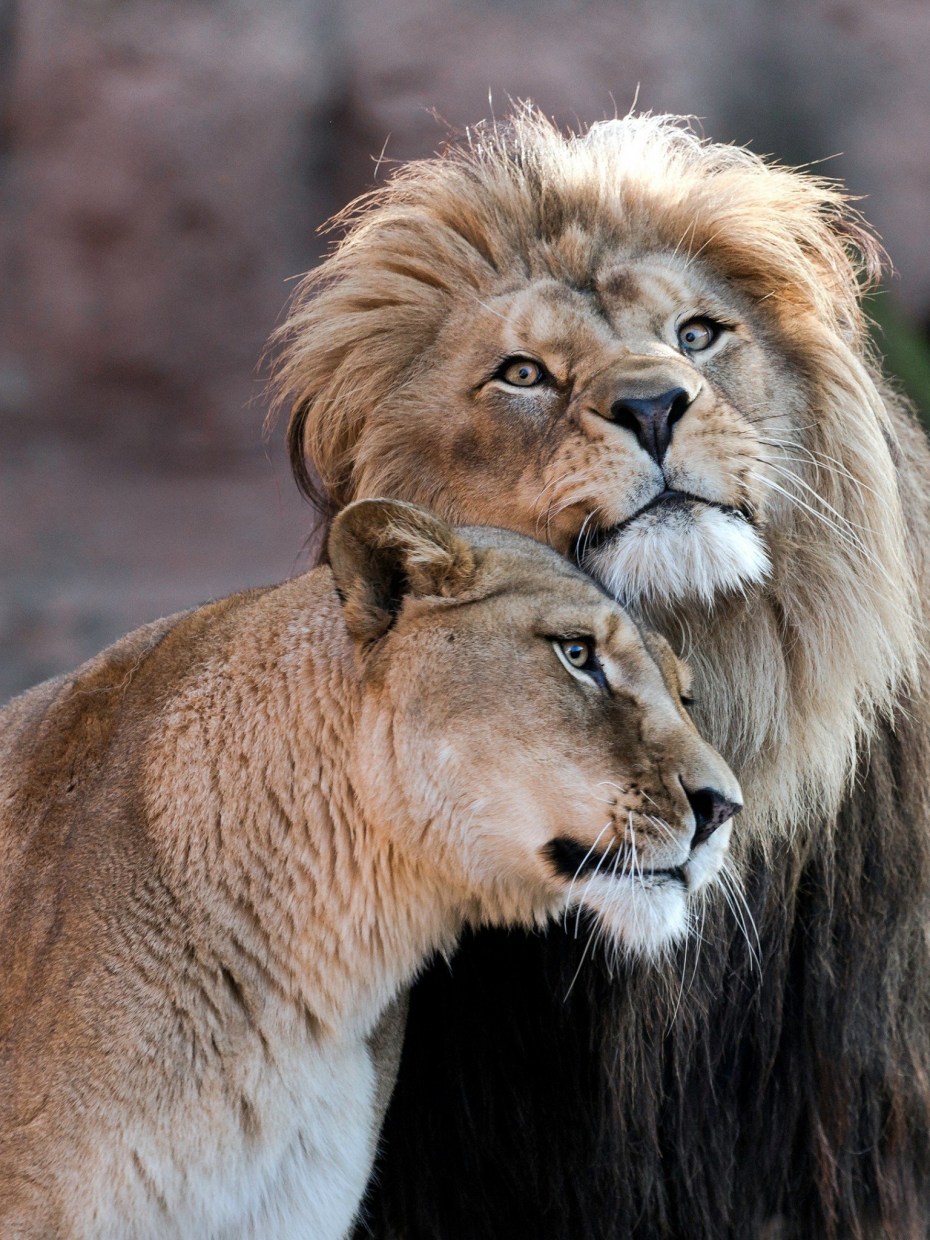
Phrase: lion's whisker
(820, 460)
(551, 483)
(848, 538)
(741, 912)
(581, 542)
(787, 473)
(490, 309)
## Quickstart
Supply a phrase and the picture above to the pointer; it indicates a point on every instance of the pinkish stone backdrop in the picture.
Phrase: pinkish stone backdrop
(164, 165)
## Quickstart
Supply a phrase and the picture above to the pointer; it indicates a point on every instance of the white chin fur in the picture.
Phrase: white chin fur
(643, 921)
(644, 916)
(667, 556)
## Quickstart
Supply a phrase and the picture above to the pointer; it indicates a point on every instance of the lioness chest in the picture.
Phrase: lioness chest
(292, 1164)
(142, 1097)
(278, 1147)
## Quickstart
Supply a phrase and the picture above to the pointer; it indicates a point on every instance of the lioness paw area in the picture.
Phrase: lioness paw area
(234, 837)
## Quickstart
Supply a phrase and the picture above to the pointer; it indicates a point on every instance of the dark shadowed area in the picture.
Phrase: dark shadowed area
(164, 167)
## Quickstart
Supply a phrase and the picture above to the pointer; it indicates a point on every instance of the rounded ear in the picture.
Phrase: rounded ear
(675, 671)
(382, 550)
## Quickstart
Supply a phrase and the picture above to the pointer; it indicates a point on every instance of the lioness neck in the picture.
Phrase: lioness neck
(252, 801)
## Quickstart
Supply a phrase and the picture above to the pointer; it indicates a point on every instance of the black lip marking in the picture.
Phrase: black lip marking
(572, 860)
(675, 872)
(668, 499)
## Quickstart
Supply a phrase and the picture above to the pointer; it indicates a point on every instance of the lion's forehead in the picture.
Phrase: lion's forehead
(628, 300)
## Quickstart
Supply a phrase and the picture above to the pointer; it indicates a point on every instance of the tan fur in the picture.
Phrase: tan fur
(229, 841)
(583, 253)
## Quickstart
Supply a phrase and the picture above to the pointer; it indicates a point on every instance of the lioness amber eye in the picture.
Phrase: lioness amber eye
(521, 372)
(577, 653)
(697, 334)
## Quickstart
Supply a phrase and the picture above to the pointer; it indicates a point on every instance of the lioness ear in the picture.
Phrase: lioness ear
(382, 550)
(675, 671)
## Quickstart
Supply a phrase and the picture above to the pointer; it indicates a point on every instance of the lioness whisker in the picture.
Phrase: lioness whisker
(636, 860)
(584, 894)
(581, 866)
(728, 899)
(736, 885)
(661, 824)
(584, 955)
(681, 984)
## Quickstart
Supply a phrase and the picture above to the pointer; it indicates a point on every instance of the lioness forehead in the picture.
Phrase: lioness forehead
(556, 590)
(527, 560)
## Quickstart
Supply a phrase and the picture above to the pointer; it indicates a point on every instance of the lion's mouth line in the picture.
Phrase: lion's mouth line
(669, 499)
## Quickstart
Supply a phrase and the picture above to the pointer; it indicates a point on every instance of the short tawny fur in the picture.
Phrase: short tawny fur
(229, 841)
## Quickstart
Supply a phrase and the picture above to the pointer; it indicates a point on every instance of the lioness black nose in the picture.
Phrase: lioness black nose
(651, 419)
(711, 809)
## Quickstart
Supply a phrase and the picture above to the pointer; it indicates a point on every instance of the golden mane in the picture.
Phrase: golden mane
(522, 198)
(833, 640)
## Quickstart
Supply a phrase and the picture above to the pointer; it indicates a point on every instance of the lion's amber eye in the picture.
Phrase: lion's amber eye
(697, 334)
(521, 372)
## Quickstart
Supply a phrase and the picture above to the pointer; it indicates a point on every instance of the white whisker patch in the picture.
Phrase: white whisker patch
(669, 557)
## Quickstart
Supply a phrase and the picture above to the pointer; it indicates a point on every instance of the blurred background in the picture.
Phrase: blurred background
(164, 167)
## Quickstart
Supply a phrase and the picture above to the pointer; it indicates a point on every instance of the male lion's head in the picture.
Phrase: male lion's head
(648, 351)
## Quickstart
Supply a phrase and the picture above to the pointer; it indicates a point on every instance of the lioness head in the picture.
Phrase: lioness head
(647, 350)
(534, 744)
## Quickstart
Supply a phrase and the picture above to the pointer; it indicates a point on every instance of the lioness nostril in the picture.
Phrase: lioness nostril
(711, 809)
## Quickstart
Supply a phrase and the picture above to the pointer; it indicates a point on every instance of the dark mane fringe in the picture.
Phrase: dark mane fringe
(798, 1093)
(307, 482)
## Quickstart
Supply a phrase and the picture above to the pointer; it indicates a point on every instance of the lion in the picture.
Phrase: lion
(234, 837)
(650, 351)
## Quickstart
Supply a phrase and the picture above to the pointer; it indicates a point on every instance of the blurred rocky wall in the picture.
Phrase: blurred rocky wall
(164, 166)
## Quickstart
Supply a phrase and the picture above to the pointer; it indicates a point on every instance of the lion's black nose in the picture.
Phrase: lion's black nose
(651, 419)
(711, 809)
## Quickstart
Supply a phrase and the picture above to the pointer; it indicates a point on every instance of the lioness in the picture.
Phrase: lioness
(230, 840)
